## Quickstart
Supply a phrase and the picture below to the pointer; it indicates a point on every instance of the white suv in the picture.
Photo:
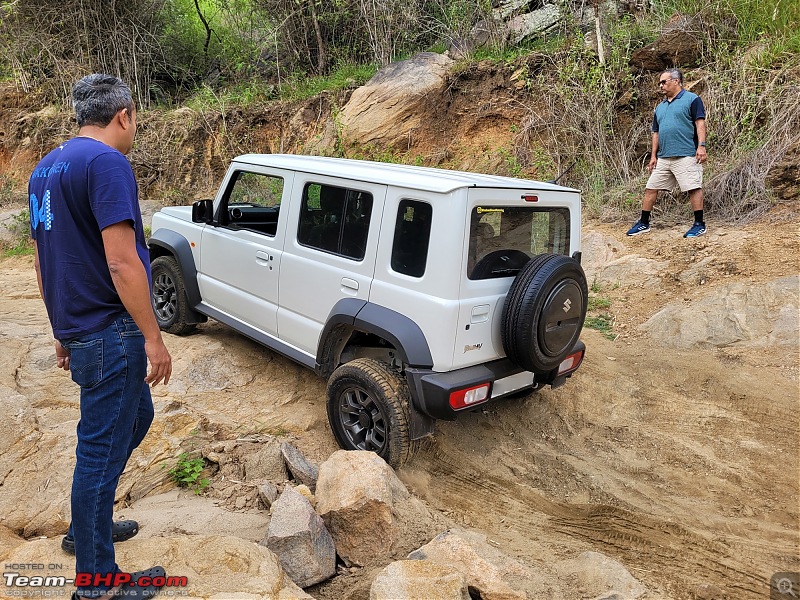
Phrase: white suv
(417, 292)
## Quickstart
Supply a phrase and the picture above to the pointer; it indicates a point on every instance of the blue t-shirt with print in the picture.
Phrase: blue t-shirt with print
(75, 192)
(674, 122)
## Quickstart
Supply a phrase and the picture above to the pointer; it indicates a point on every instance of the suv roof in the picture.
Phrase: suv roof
(420, 178)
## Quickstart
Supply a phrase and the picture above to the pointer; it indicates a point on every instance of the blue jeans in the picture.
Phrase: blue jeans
(116, 412)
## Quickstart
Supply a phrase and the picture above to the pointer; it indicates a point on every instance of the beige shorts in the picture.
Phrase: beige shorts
(684, 171)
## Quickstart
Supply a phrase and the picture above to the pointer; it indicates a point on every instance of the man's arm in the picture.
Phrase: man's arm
(653, 152)
(701, 154)
(62, 357)
(130, 281)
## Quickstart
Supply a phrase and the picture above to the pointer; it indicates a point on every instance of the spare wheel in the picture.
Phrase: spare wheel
(544, 312)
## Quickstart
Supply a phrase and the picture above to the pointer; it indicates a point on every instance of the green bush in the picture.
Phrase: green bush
(187, 473)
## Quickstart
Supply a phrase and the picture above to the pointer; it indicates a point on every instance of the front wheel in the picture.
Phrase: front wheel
(368, 409)
(168, 296)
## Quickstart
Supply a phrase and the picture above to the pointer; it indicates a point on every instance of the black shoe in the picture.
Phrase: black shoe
(147, 591)
(120, 531)
(131, 590)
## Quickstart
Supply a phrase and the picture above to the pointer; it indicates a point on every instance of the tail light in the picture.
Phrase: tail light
(469, 396)
(572, 362)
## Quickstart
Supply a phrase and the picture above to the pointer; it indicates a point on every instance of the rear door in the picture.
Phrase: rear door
(504, 232)
(331, 244)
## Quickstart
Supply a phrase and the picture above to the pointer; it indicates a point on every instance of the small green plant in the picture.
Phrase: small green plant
(187, 473)
(603, 323)
(20, 244)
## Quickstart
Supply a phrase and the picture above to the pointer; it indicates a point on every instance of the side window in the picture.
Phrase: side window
(412, 232)
(253, 202)
(335, 219)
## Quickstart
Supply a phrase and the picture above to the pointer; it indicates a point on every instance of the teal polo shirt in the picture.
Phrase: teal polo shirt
(674, 122)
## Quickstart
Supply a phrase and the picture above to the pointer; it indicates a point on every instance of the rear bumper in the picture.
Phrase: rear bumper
(431, 391)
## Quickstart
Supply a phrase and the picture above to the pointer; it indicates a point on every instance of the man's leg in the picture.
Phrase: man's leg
(650, 197)
(110, 367)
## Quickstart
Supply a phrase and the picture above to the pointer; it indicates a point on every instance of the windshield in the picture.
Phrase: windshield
(503, 239)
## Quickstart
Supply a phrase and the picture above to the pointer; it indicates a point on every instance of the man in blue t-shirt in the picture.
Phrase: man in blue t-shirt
(93, 269)
(678, 151)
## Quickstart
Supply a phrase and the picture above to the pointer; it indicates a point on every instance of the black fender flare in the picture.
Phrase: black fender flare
(178, 246)
(353, 314)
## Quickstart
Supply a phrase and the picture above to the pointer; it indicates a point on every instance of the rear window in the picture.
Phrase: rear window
(503, 239)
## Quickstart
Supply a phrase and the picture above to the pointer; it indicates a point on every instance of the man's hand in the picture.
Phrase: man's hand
(62, 357)
(652, 164)
(160, 362)
(701, 155)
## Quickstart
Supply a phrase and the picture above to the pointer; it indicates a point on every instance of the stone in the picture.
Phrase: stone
(680, 45)
(268, 493)
(629, 269)
(597, 251)
(451, 550)
(266, 463)
(412, 579)
(214, 566)
(522, 27)
(303, 470)
(748, 314)
(35, 464)
(297, 535)
(368, 510)
(388, 109)
(593, 575)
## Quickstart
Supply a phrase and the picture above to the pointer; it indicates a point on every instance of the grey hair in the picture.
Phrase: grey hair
(675, 74)
(98, 97)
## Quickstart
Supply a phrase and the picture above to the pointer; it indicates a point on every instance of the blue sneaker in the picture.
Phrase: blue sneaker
(639, 227)
(697, 230)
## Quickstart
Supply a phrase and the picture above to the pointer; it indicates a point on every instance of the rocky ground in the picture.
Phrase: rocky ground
(671, 457)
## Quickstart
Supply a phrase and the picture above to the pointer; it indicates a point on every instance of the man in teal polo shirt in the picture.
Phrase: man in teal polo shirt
(678, 151)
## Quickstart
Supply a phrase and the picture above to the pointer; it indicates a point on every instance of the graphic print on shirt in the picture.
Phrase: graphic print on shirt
(41, 213)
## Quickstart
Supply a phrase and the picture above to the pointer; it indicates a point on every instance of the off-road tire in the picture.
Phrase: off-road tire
(544, 312)
(368, 409)
(168, 296)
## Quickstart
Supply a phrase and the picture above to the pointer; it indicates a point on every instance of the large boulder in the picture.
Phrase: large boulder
(598, 250)
(412, 579)
(368, 510)
(391, 106)
(679, 45)
(215, 567)
(750, 314)
(595, 575)
(525, 26)
(299, 538)
(482, 574)
(36, 465)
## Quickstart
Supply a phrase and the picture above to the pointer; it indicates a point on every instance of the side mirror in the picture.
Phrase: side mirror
(203, 211)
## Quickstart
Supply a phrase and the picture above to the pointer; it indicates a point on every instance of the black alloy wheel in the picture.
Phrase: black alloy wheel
(369, 409)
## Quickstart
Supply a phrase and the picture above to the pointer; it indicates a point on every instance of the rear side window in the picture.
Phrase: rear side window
(335, 220)
(412, 233)
(503, 239)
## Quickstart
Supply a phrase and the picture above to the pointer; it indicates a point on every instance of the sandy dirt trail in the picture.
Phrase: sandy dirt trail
(683, 465)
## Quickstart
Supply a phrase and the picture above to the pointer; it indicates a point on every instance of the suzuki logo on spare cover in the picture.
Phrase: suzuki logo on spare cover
(567, 305)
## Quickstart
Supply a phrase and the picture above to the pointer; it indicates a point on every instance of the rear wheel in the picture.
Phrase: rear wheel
(368, 409)
(168, 296)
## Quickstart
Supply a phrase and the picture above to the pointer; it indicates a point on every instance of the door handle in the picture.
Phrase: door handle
(263, 259)
(351, 284)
